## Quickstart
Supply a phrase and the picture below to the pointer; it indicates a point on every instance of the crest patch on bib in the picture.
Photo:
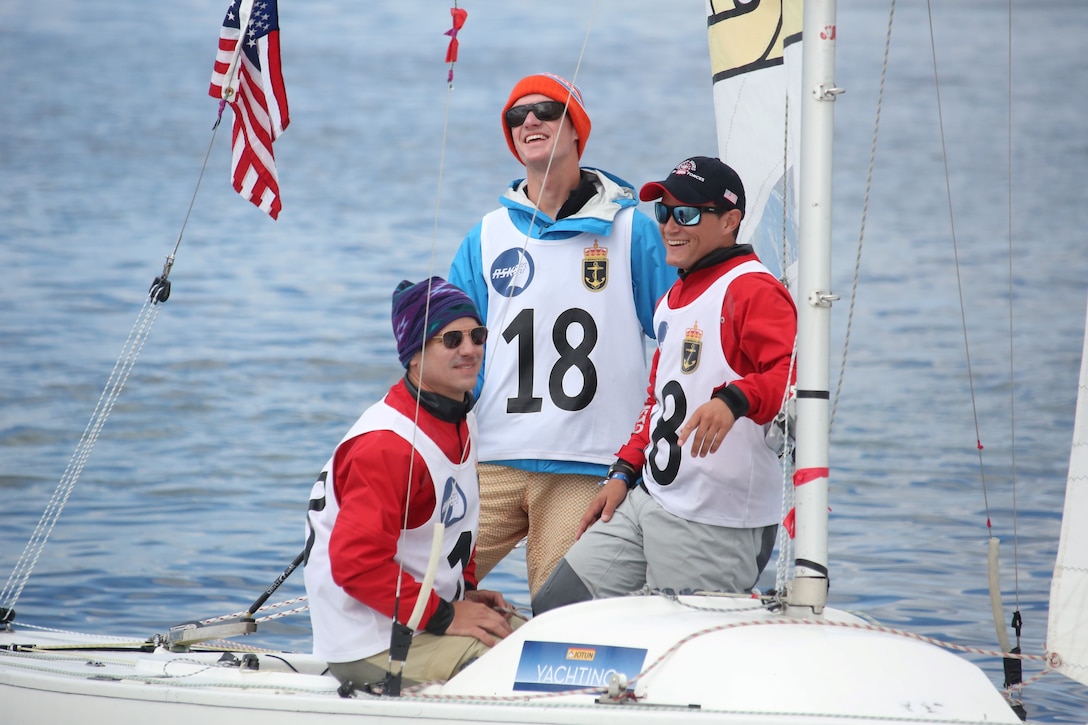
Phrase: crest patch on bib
(595, 267)
(693, 348)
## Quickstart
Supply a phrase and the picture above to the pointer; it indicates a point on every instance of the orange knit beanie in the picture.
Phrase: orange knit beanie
(558, 89)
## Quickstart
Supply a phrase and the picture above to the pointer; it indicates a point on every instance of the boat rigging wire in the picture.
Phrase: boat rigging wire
(864, 216)
(401, 635)
(1012, 663)
(953, 238)
(1012, 357)
(125, 363)
(1014, 674)
(995, 593)
(114, 385)
(512, 287)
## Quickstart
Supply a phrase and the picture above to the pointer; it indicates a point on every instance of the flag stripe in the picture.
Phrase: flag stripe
(259, 101)
(270, 59)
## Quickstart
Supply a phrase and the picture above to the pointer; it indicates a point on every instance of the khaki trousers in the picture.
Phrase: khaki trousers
(431, 657)
(545, 508)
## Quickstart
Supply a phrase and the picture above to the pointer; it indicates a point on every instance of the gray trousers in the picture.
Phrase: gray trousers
(644, 545)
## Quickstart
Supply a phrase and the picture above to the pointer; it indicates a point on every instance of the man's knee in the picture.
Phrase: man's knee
(563, 587)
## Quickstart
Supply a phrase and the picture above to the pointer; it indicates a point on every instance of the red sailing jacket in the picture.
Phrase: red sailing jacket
(759, 325)
(371, 474)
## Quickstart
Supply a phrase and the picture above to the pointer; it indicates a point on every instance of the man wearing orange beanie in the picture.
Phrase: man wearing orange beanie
(566, 273)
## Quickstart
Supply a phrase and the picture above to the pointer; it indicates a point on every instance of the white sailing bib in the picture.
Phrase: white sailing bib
(344, 628)
(737, 486)
(565, 366)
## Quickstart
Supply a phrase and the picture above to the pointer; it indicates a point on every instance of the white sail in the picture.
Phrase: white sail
(1067, 630)
(755, 55)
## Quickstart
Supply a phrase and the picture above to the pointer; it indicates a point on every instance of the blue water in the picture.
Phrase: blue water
(277, 334)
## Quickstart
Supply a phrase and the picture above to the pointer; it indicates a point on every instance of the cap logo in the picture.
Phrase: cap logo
(730, 196)
(687, 168)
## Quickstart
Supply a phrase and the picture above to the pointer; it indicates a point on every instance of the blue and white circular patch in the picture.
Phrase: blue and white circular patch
(512, 272)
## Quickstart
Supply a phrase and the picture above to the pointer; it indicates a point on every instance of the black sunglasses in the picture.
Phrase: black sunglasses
(685, 216)
(544, 111)
(454, 338)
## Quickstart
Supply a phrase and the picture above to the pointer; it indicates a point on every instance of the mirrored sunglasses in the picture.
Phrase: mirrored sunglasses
(544, 111)
(454, 338)
(685, 216)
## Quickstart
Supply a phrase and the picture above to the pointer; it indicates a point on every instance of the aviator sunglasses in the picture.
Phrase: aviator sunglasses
(454, 338)
(544, 111)
(685, 216)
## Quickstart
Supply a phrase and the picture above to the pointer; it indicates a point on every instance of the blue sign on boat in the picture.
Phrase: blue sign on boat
(557, 666)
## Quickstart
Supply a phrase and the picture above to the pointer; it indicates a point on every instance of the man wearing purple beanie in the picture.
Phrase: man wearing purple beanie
(407, 465)
(567, 273)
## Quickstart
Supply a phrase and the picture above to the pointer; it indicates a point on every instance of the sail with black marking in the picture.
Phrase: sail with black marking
(755, 54)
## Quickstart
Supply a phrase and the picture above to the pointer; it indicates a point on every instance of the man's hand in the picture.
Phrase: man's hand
(710, 423)
(492, 599)
(612, 493)
(479, 620)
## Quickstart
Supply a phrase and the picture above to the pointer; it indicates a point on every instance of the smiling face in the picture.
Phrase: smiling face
(534, 138)
(449, 372)
(686, 245)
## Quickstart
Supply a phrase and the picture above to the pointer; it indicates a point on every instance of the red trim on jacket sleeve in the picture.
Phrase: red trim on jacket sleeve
(759, 325)
(634, 451)
(370, 474)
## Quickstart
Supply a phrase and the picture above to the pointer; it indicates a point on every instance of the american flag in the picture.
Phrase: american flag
(255, 91)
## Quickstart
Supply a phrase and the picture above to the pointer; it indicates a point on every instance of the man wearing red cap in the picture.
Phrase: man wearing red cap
(566, 273)
(705, 515)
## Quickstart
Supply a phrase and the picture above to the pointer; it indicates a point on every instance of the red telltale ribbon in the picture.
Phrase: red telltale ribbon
(459, 16)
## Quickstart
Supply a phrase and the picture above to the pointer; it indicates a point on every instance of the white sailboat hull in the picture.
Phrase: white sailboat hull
(721, 660)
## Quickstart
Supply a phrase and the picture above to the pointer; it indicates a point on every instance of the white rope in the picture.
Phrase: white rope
(126, 361)
(116, 383)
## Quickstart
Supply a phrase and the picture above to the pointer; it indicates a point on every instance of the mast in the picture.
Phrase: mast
(807, 592)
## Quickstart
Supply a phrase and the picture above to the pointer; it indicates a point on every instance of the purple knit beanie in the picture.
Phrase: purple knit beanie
(448, 303)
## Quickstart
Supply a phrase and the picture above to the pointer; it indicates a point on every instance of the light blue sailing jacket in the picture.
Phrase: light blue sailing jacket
(651, 276)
